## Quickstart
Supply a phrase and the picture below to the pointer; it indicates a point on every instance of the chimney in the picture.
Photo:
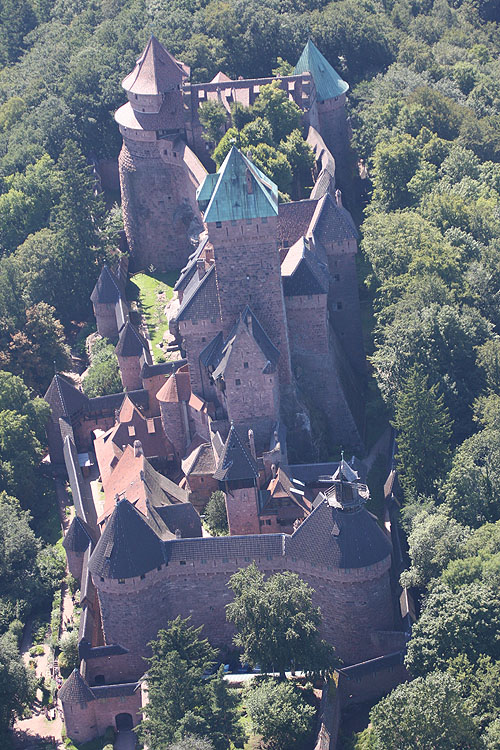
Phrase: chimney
(200, 265)
(338, 198)
(137, 448)
(178, 534)
(251, 440)
(249, 321)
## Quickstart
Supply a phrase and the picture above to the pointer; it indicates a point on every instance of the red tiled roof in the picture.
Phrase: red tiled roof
(177, 387)
(294, 219)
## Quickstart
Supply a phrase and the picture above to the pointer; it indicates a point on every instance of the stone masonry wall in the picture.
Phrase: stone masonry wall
(130, 372)
(353, 604)
(105, 316)
(247, 265)
(307, 318)
(157, 212)
(242, 511)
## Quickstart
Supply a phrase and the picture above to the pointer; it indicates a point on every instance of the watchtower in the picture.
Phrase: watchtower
(157, 187)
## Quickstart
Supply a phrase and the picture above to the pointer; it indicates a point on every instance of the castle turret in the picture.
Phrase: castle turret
(132, 351)
(157, 185)
(330, 100)
(237, 473)
(78, 705)
(105, 297)
(240, 206)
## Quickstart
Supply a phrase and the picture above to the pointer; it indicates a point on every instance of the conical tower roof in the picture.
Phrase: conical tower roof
(236, 462)
(63, 398)
(78, 536)
(239, 190)
(326, 79)
(130, 342)
(106, 290)
(156, 71)
(128, 546)
(75, 689)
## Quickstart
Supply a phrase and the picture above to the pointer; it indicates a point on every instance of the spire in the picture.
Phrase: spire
(236, 461)
(239, 190)
(130, 343)
(155, 72)
(327, 81)
(128, 546)
(106, 290)
(76, 690)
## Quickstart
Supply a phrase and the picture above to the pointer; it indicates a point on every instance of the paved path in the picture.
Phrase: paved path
(125, 741)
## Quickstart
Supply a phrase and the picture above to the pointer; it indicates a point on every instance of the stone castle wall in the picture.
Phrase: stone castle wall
(105, 315)
(307, 318)
(130, 372)
(247, 265)
(353, 604)
(157, 209)
(242, 511)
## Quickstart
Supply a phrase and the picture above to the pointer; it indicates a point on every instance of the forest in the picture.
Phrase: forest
(424, 105)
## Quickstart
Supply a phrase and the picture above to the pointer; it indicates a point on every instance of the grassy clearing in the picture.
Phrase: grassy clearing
(152, 291)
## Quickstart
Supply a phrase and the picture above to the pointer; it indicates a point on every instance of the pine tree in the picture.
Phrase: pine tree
(423, 427)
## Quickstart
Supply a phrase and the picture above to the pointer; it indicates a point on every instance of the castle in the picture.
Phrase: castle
(266, 318)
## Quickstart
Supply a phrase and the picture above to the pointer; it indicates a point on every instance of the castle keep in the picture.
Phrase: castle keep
(266, 327)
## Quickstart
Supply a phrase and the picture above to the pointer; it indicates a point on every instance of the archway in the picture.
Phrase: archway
(124, 722)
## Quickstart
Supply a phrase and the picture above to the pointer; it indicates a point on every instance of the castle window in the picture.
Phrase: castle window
(203, 339)
(245, 365)
(175, 153)
(339, 305)
(159, 567)
(165, 151)
(121, 580)
(336, 277)
(102, 578)
(268, 522)
(182, 562)
(202, 479)
(264, 219)
(218, 224)
(237, 381)
(143, 576)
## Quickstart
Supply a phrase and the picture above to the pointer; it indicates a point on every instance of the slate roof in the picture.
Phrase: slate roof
(63, 398)
(78, 536)
(294, 219)
(113, 401)
(218, 352)
(332, 223)
(177, 388)
(130, 342)
(115, 691)
(327, 81)
(200, 301)
(333, 538)
(107, 289)
(75, 689)
(246, 548)
(241, 191)
(302, 272)
(155, 72)
(162, 368)
(182, 517)
(190, 266)
(128, 546)
(236, 462)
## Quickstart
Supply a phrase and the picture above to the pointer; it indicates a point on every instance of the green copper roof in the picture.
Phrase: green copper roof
(238, 191)
(327, 81)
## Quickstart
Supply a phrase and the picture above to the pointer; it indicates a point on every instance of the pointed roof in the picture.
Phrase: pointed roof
(177, 388)
(334, 538)
(218, 352)
(302, 271)
(63, 398)
(128, 546)
(345, 472)
(130, 342)
(155, 72)
(326, 79)
(78, 537)
(107, 289)
(236, 462)
(239, 190)
(200, 300)
(331, 222)
(75, 689)
(220, 77)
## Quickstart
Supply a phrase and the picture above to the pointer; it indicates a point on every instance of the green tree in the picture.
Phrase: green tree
(16, 685)
(216, 514)
(423, 435)
(434, 541)
(103, 375)
(276, 622)
(281, 112)
(213, 117)
(465, 621)
(181, 701)
(279, 714)
(422, 714)
(191, 742)
(394, 164)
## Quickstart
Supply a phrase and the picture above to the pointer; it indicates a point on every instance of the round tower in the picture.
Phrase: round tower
(158, 194)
